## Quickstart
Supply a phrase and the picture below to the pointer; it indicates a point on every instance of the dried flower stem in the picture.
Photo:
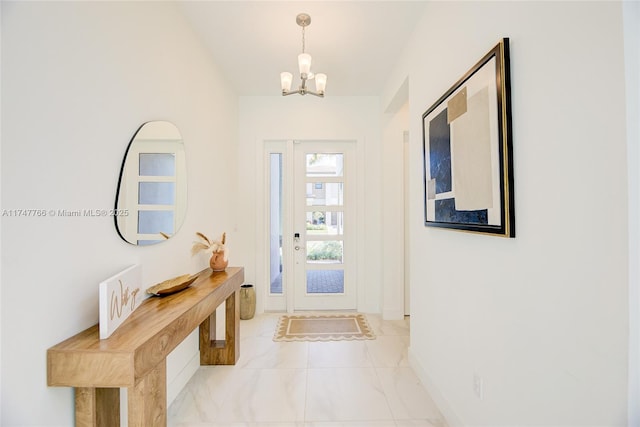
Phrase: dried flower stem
(208, 245)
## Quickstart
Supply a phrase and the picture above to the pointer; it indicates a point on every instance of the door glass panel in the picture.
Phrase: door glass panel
(323, 164)
(157, 164)
(325, 193)
(157, 193)
(324, 252)
(276, 223)
(325, 281)
(325, 223)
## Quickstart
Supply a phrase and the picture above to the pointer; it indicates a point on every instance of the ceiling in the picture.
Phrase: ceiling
(356, 43)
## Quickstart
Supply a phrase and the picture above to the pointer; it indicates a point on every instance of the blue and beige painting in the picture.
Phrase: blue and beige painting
(440, 172)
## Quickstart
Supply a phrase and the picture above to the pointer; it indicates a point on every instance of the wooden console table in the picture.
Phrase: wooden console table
(134, 356)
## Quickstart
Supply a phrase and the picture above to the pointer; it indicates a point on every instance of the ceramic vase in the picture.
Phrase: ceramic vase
(247, 302)
(217, 261)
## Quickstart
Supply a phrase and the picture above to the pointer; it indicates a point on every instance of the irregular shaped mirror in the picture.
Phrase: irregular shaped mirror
(151, 200)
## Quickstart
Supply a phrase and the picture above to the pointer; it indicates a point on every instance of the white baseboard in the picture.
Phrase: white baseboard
(453, 420)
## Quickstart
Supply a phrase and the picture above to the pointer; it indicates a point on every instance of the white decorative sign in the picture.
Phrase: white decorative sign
(119, 298)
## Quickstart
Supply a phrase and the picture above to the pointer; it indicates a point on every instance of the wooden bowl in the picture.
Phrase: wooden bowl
(172, 286)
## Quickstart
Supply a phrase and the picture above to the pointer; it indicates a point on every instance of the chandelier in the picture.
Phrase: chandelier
(304, 65)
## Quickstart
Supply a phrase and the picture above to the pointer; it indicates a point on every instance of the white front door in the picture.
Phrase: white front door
(323, 224)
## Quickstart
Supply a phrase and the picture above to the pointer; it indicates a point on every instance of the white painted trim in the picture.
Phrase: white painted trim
(1, 287)
(631, 23)
(287, 247)
(261, 239)
(406, 160)
(453, 420)
(263, 263)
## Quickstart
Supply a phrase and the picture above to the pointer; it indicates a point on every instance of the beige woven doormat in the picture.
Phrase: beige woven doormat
(323, 327)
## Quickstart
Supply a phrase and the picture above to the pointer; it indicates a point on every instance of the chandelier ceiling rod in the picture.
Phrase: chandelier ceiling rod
(304, 66)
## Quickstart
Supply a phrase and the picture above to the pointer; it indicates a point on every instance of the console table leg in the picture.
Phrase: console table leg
(218, 352)
(147, 400)
(97, 407)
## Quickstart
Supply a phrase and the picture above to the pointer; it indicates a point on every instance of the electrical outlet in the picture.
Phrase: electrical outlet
(478, 386)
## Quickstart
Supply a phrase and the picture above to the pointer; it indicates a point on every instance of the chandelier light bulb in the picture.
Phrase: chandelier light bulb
(285, 81)
(321, 82)
(304, 63)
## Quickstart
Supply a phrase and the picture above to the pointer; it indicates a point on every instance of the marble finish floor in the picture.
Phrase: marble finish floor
(309, 384)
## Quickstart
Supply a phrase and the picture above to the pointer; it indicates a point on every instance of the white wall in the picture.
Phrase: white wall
(297, 117)
(542, 318)
(78, 78)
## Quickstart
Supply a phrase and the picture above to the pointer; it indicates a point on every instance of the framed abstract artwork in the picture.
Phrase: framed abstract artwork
(467, 148)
